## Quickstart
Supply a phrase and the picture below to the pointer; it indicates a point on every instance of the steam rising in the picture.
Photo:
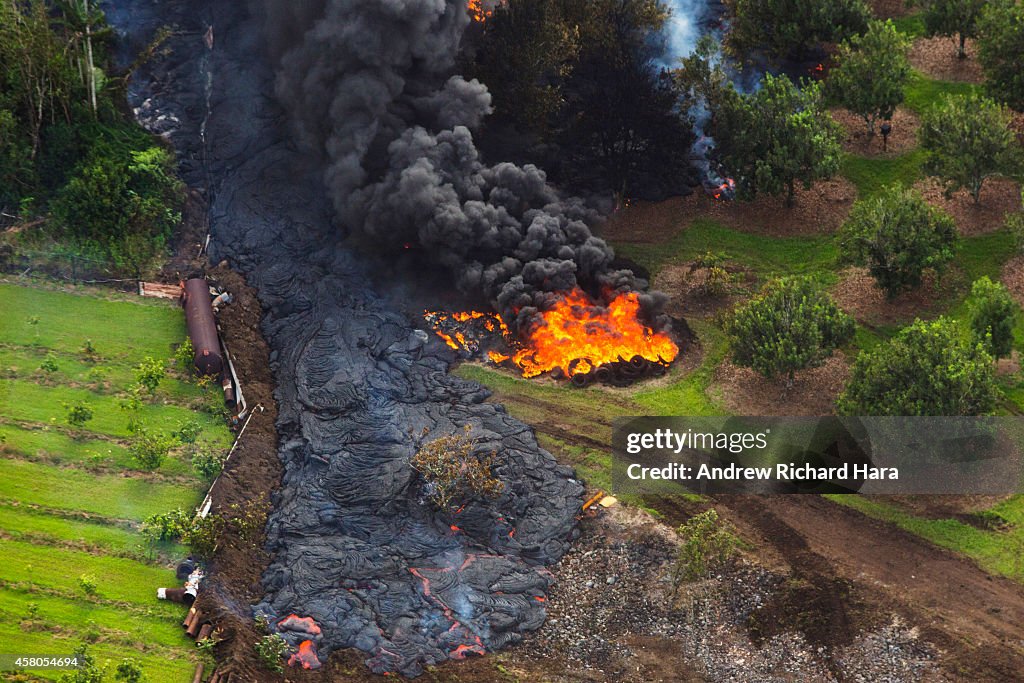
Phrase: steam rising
(369, 84)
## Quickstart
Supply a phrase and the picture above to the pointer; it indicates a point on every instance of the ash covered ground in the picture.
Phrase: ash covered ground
(355, 545)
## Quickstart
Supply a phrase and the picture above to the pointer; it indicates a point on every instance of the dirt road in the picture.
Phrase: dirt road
(974, 618)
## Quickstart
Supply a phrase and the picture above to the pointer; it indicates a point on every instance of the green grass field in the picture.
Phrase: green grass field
(72, 500)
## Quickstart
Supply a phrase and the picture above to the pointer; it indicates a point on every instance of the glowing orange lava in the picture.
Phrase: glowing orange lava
(306, 656)
(576, 336)
(293, 622)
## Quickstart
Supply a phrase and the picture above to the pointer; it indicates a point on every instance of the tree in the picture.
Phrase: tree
(968, 140)
(527, 51)
(579, 76)
(993, 313)
(790, 28)
(872, 73)
(33, 69)
(453, 472)
(898, 236)
(124, 209)
(929, 368)
(777, 137)
(1001, 50)
(953, 18)
(791, 325)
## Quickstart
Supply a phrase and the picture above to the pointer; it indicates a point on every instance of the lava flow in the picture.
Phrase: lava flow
(573, 337)
(306, 656)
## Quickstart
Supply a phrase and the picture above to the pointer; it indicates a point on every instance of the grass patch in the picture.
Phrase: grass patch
(54, 445)
(766, 255)
(911, 24)
(120, 330)
(1000, 552)
(30, 402)
(922, 92)
(162, 665)
(25, 523)
(872, 175)
(117, 579)
(111, 496)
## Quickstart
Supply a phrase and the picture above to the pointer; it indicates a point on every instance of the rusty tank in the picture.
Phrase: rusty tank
(202, 327)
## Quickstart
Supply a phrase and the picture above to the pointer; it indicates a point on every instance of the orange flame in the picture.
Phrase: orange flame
(576, 335)
(477, 11)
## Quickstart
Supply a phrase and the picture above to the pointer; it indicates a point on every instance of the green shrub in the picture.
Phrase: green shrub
(993, 315)
(87, 582)
(88, 670)
(791, 325)
(271, 649)
(184, 357)
(208, 465)
(149, 373)
(898, 236)
(129, 671)
(708, 544)
(203, 534)
(929, 368)
(148, 449)
(49, 364)
(167, 526)
(78, 413)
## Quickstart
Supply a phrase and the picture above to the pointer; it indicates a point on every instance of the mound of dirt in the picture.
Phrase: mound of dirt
(903, 138)
(818, 210)
(937, 58)
(889, 9)
(999, 197)
(814, 391)
(1013, 277)
(857, 294)
(684, 285)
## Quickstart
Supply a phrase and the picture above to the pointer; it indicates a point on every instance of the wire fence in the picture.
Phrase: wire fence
(65, 266)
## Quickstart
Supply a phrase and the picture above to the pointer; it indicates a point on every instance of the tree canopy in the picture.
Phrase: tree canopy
(968, 140)
(791, 325)
(790, 28)
(872, 73)
(581, 77)
(1001, 50)
(898, 236)
(993, 313)
(957, 18)
(928, 368)
(777, 137)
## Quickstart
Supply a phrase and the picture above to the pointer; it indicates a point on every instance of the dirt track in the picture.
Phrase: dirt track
(974, 618)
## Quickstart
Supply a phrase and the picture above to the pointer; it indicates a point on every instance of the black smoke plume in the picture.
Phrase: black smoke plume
(369, 84)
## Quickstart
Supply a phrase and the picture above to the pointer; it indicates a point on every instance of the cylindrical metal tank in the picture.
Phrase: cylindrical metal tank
(202, 327)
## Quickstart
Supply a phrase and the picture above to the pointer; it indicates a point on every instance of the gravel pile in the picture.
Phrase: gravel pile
(614, 589)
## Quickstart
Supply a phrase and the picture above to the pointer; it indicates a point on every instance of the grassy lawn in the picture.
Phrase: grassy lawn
(72, 500)
(998, 551)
